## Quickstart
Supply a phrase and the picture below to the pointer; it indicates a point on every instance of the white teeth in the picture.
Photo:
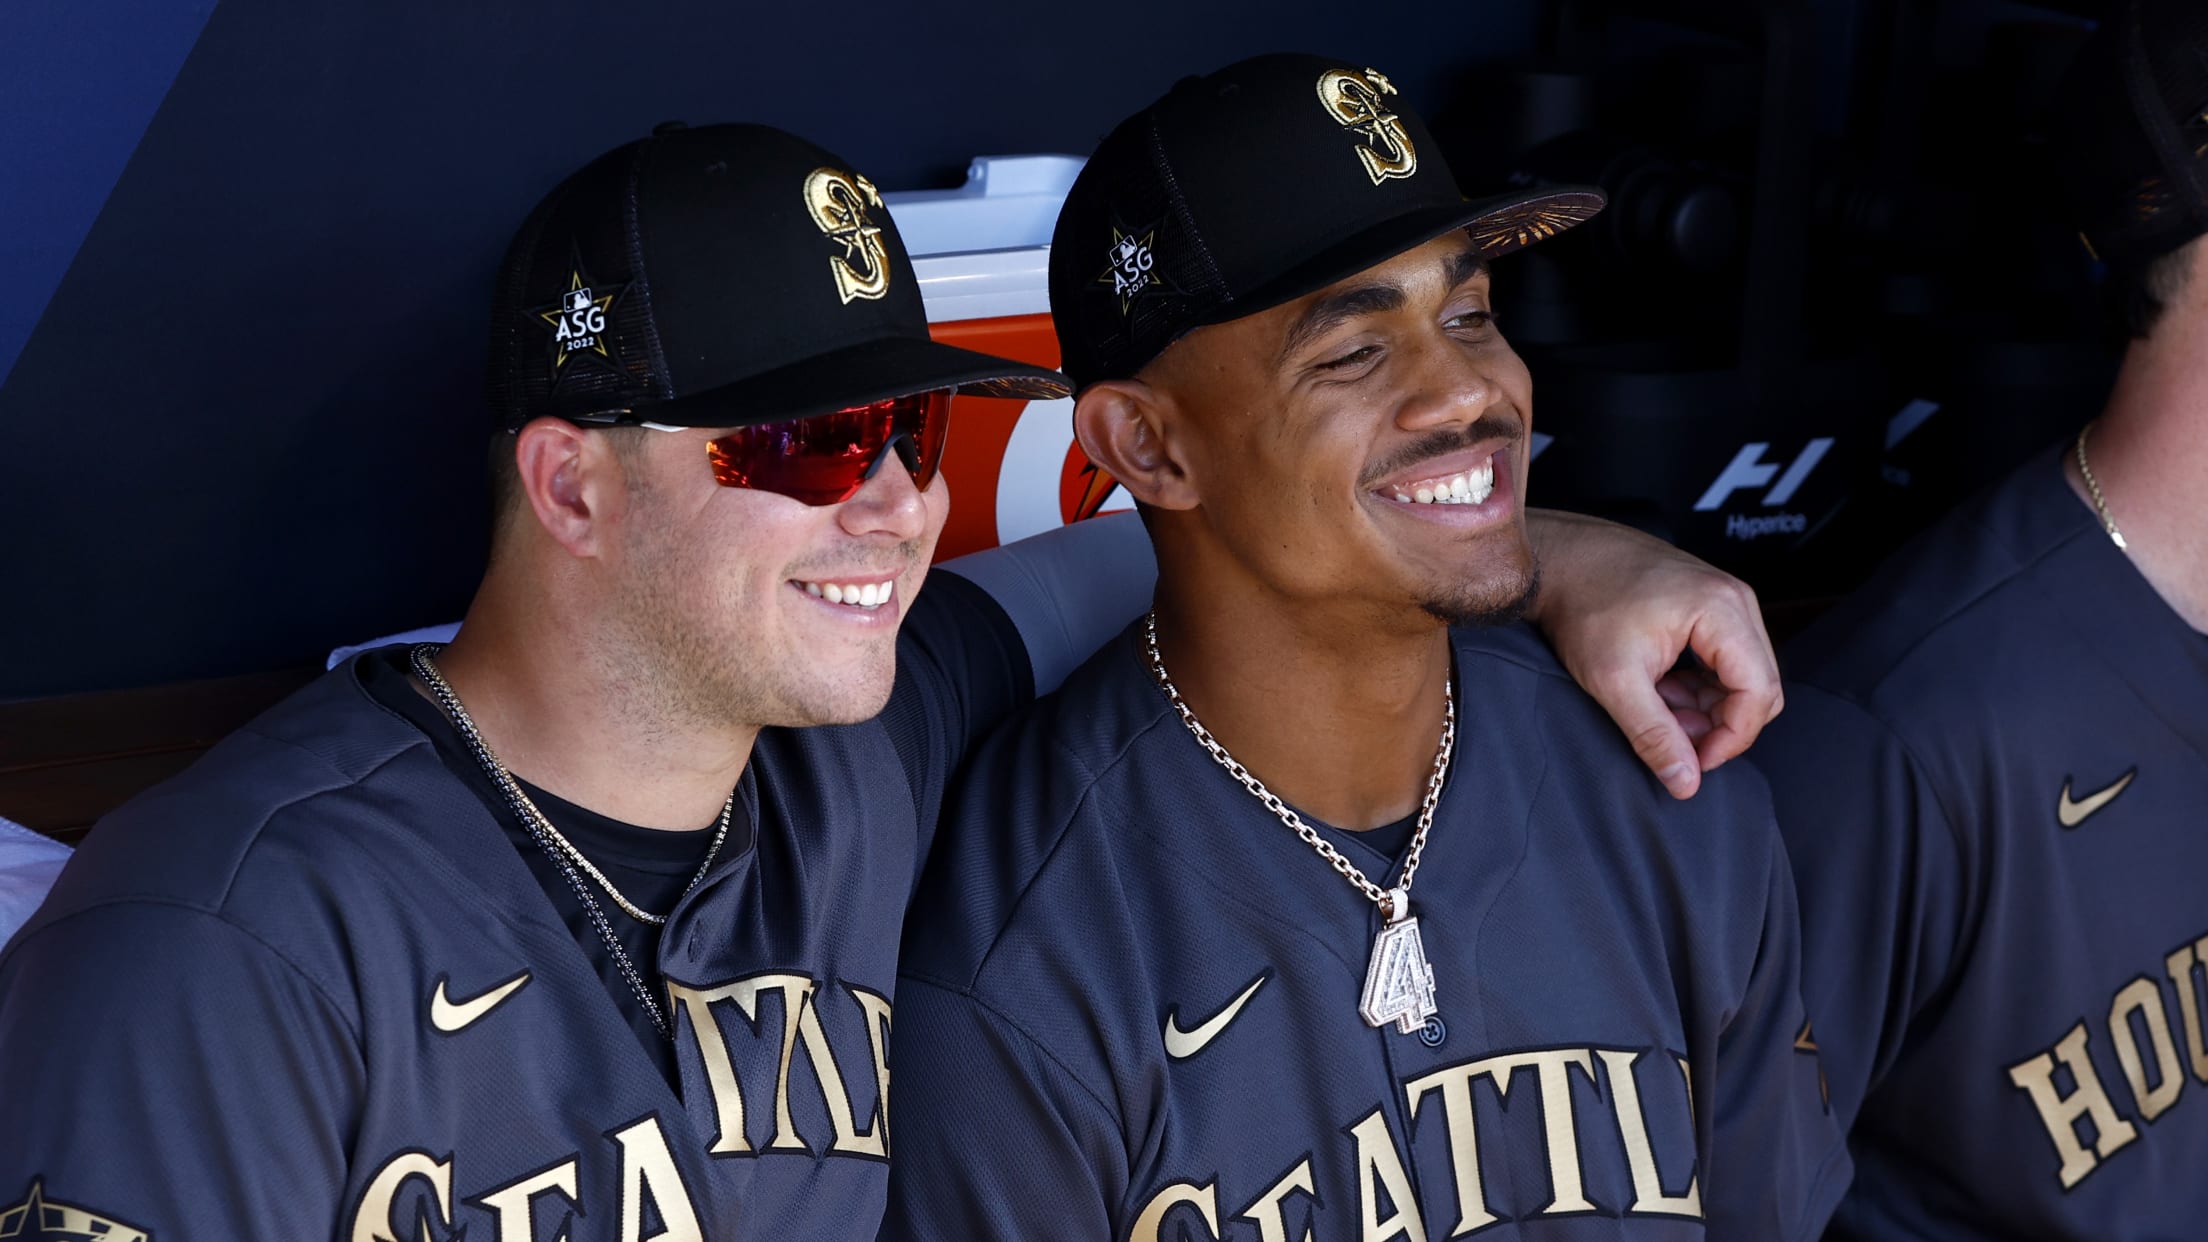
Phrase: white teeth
(855, 595)
(1470, 487)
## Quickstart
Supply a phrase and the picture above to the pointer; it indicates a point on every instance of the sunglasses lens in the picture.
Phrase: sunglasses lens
(824, 459)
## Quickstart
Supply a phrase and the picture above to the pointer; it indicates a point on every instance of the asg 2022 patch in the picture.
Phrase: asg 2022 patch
(578, 321)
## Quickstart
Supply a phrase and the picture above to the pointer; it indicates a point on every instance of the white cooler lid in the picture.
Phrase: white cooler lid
(982, 251)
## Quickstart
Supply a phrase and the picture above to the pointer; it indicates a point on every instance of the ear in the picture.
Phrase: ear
(572, 481)
(1125, 427)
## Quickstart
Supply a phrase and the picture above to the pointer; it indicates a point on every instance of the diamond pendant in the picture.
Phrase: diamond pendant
(1399, 985)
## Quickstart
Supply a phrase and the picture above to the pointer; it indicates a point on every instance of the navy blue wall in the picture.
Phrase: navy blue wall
(245, 250)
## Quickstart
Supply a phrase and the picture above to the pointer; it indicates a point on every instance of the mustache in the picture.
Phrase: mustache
(906, 555)
(1442, 443)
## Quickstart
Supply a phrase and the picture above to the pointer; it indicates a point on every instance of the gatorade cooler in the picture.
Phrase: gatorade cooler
(983, 255)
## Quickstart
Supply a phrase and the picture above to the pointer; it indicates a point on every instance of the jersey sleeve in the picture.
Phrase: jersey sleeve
(1067, 591)
(1779, 1162)
(1882, 881)
(960, 669)
(993, 1138)
(994, 629)
(166, 1074)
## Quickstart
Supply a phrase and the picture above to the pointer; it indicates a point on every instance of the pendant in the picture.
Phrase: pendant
(1399, 985)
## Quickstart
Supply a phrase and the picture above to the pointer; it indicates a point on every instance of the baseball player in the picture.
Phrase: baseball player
(568, 930)
(1993, 762)
(1320, 904)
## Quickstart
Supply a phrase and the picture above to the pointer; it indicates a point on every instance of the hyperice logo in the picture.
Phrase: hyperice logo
(1741, 526)
(1747, 469)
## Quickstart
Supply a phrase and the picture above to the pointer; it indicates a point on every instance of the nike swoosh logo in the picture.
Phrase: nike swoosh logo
(449, 1016)
(2074, 813)
(1180, 1043)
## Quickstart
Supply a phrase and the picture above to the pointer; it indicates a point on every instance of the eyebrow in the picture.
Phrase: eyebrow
(1331, 311)
(1463, 266)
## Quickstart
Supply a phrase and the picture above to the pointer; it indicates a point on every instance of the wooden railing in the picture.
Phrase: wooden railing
(64, 762)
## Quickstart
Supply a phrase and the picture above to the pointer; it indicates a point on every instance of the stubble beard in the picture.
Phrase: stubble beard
(1502, 599)
(677, 672)
(677, 676)
(687, 659)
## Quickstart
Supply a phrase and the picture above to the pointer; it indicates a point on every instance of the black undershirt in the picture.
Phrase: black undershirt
(1390, 840)
(651, 866)
(1393, 839)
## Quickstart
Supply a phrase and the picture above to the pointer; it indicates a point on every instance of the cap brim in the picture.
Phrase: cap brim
(859, 374)
(1496, 225)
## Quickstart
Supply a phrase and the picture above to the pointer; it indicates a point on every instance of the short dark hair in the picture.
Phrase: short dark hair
(2139, 293)
(504, 474)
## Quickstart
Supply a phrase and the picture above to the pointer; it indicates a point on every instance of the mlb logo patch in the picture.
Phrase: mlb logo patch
(1131, 266)
(578, 320)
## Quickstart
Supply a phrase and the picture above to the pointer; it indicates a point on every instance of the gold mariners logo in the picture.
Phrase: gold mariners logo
(1354, 101)
(838, 202)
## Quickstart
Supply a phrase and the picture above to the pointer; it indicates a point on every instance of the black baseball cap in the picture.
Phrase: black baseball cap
(2130, 131)
(1253, 186)
(718, 277)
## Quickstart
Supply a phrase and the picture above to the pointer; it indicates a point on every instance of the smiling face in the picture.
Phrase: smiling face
(1365, 442)
(746, 607)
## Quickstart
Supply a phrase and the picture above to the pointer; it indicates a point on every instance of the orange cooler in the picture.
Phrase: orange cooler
(983, 252)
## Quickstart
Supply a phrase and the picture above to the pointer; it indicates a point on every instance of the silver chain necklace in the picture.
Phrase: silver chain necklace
(2099, 502)
(558, 848)
(1399, 982)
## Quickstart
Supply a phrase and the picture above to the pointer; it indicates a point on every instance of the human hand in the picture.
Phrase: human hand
(1673, 648)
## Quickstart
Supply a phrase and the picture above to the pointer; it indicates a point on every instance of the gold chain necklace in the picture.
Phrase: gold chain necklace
(565, 857)
(1399, 982)
(2100, 502)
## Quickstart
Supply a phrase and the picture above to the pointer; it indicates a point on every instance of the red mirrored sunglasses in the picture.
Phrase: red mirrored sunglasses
(824, 459)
